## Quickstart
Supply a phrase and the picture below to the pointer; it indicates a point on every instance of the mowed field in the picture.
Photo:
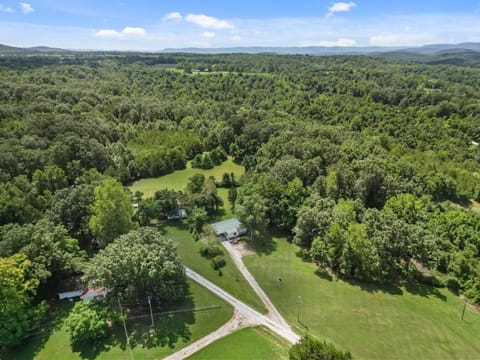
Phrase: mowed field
(251, 343)
(178, 180)
(417, 322)
(171, 333)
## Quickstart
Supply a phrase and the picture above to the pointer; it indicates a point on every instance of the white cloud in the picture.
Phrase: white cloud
(340, 7)
(108, 33)
(173, 16)
(339, 42)
(26, 8)
(236, 38)
(114, 34)
(208, 22)
(134, 31)
(6, 9)
(208, 34)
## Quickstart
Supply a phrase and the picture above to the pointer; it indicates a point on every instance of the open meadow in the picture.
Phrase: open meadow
(413, 322)
(178, 180)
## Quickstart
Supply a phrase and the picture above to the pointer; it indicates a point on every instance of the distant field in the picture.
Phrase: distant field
(371, 322)
(174, 332)
(250, 343)
(178, 180)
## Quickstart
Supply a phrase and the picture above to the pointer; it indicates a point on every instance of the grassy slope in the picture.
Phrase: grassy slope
(373, 323)
(251, 343)
(178, 180)
(176, 331)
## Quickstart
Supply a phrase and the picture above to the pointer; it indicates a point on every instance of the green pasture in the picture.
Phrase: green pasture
(373, 322)
(251, 343)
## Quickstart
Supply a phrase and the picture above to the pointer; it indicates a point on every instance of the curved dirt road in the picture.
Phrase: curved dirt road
(273, 313)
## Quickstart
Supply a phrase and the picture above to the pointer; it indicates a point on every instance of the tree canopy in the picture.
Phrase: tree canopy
(137, 264)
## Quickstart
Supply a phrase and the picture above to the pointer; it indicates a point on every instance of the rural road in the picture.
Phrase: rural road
(251, 316)
(273, 313)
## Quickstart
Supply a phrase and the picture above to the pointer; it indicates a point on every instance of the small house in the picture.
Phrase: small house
(230, 229)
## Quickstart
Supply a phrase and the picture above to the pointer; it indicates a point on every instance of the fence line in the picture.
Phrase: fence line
(51, 325)
(195, 309)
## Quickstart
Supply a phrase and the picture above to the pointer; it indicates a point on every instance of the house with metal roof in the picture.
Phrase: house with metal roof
(230, 229)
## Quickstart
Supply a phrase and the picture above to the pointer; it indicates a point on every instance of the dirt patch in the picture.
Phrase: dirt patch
(473, 307)
(475, 206)
(243, 248)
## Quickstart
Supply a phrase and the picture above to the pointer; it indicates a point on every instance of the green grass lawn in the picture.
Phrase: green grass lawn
(178, 180)
(231, 279)
(372, 322)
(250, 343)
(172, 332)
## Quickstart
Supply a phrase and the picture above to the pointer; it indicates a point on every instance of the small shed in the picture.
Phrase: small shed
(230, 229)
(70, 288)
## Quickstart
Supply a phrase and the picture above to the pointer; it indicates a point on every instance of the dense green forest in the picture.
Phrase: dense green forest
(369, 164)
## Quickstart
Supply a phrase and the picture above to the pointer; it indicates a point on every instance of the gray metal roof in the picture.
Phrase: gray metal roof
(227, 226)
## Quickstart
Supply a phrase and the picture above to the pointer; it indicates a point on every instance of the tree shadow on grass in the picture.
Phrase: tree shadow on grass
(323, 274)
(180, 225)
(370, 287)
(424, 290)
(262, 244)
(412, 286)
(35, 343)
(91, 351)
(169, 328)
(265, 243)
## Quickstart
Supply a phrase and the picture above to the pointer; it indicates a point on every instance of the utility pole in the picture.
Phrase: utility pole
(299, 305)
(125, 328)
(464, 307)
(151, 313)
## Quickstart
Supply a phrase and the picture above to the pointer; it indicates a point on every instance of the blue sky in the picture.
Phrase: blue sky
(154, 25)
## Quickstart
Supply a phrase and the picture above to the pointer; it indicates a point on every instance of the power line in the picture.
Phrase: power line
(125, 328)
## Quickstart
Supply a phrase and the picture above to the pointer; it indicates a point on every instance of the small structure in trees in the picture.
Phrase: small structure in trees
(230, 229)
(180, 214)
(70, 288)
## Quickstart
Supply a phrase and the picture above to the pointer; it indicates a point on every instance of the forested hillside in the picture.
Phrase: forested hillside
(370, 165)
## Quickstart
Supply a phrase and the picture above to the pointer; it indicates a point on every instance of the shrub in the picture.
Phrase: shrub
(311, 349)
(453, 285)
(210, 247)
(218, 262)
(86, 324)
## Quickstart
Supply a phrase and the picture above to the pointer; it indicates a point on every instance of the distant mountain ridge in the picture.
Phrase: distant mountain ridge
(6, 49)
(288, 50)
(328, 50)
(463, 54)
